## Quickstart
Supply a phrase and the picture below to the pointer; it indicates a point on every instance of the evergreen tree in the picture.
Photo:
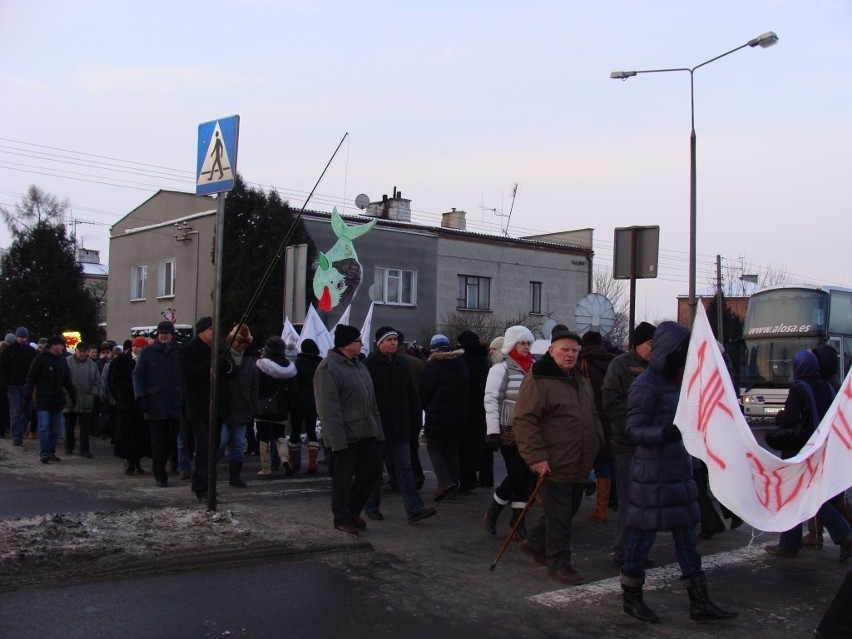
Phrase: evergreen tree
(41, 283)
(256, 224)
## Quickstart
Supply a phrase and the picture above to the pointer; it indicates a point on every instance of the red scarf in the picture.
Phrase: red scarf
(524, 361)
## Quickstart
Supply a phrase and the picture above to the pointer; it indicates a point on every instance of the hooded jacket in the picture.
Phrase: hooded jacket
(663, 494)
(555, 421)
(797, 408)
(443, 393)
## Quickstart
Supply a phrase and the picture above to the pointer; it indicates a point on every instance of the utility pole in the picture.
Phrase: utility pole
(719, 301)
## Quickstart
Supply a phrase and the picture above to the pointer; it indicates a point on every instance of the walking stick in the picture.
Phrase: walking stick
(520, 519)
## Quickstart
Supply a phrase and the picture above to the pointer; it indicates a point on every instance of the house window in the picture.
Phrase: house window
(396, 286)
(535, 297)
(474, 292)
(138, 281)
(166, 279)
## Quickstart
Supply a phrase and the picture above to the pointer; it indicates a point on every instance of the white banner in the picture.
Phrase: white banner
(314, 329)
(289, 333)
(366, 332)
(769, 493)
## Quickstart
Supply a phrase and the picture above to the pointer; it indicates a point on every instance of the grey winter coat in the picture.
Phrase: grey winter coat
(662, 492)
(346, 401)
(622, 371)
(243, 393)
(87, 380)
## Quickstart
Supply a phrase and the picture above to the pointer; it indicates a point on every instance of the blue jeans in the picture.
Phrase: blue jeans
(638, 547)
(49, 423)
(17, 421)
(401, 455)
(234, 437)
(838, 528)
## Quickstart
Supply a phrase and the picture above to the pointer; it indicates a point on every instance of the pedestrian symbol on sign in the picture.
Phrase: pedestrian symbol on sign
(216, 160)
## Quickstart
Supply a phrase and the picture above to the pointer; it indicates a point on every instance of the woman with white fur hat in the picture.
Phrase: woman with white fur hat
(501, 391)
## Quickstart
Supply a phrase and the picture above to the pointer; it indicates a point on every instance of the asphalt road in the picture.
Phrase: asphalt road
(424, 580)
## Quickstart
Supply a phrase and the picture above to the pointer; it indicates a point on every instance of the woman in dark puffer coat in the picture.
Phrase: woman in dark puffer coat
(662, 495)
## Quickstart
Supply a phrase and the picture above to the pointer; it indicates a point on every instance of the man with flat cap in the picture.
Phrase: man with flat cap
(351, 427)
(558, 433)
(619, 376)
(157, 388)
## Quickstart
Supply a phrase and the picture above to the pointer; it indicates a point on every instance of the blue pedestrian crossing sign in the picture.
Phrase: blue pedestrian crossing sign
(217, 155)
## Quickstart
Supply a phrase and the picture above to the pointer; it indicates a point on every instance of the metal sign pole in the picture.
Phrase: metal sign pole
(213, 435)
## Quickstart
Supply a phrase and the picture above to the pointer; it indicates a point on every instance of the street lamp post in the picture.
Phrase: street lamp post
(765, 40)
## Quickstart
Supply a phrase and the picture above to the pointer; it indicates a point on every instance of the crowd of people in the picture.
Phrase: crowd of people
(581, 418)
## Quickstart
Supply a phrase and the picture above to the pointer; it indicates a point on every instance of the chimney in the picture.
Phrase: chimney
(453, 220)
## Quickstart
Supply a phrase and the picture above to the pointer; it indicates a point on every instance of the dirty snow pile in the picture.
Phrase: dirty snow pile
(57, 539)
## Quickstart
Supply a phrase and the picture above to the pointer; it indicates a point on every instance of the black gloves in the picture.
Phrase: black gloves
(671, 433)
(493, 441)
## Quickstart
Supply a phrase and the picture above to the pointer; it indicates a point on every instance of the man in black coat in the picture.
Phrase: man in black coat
(157, 388)
(15, 361)
(195, 360)
(50, 378)
(474, 455)
(399, 408)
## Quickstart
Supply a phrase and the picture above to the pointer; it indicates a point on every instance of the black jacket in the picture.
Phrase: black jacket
(306, 367)
(194, 361)
(15, 362)
(476, 360)
(396, 395)
(48, 376)
(594, 362)
(443, 393)
(156, 378)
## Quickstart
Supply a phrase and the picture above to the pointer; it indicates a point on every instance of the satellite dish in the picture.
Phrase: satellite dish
(594, 313)
(362, 201)
(547, 327)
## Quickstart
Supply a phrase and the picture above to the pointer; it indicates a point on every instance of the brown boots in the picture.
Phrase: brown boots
(313, 449)
(599, 514)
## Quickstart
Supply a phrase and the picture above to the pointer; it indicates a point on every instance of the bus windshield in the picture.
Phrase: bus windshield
(769, 362)
(786, 312)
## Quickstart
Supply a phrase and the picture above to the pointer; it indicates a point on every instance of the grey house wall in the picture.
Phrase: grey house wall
(564, 275)
(146, 236)
(385, 247)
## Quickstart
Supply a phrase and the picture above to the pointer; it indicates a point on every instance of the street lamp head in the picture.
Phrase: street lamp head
(764, 40)
(621, 75)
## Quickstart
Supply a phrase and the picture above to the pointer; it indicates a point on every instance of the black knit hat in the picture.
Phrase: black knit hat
(345, 335)
(166, 327)
(383, 332)
(643, 333)
(310, 347)
(274, 346)
(592, 338)
(203, 324)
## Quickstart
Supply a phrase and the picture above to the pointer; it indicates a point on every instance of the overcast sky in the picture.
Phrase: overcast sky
(454, 103)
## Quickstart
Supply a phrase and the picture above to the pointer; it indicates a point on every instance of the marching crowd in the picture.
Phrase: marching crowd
(581, 418)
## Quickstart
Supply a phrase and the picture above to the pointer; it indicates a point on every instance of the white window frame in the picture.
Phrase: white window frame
(463, 299)
(138, 282)
(385, 275)
(536, 289)
(166, 279)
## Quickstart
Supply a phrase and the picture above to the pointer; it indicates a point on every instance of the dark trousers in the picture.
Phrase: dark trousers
(85, 422)
(638, 548)
(551, 536)
(163, 437)
(622, 486)
(711, 523)
(201, 430)
(354, 471)
(469, 456)
(515, 487)
(837, 620)
(304, 421)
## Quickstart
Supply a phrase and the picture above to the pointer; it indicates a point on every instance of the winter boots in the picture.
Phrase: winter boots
(700, 606)
(234, 479)
(284, 453)
(265, 462)
(634, 604)
(295, 458)
(313, 449)
(603, 489)
(491, 515)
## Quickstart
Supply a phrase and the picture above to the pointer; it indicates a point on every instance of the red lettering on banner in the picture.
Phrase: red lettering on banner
(843, 430)
(762, 493)
(710, 398)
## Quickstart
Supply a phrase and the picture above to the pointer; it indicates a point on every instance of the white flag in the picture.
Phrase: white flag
(344, 319)
(366, 340)
(769, 493)
(314, 329)
(289, 334)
